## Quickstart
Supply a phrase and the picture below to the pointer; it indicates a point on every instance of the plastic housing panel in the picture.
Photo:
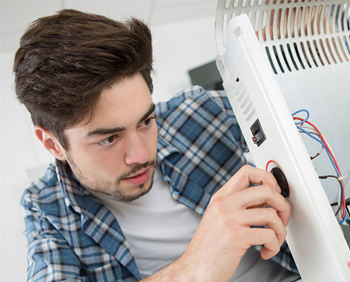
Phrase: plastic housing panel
(307, 45)
(314, 236)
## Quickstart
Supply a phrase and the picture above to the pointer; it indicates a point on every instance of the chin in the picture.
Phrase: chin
(131, 197)
(140, 191)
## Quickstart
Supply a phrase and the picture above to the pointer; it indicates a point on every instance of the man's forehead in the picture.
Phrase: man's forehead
(126, 101)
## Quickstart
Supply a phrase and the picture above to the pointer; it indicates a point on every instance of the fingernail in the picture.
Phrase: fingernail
(279, 189)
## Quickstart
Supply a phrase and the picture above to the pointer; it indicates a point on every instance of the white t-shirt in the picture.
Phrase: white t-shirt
(155, 225)
(159, 229)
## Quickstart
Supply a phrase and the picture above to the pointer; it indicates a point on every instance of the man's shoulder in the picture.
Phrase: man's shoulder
(43, 190)
(197, 97)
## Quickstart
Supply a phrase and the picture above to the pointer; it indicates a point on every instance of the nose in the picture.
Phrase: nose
(136, 150)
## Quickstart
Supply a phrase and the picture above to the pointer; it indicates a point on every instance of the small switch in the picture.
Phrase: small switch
(259, 137)
(258, 133)
(255, 128)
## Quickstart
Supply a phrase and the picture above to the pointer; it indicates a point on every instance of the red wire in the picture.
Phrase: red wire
(335, 161)
(323, 140)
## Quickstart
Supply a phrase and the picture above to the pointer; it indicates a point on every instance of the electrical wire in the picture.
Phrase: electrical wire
(323, 142)
(311, 130)
(302, 120)
(338, 202)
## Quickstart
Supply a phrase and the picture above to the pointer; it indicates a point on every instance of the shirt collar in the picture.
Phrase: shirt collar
(95, 218)
(73, 192)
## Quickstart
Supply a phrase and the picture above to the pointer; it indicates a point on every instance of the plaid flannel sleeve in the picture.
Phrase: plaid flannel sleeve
(50, 258)
(223, 102)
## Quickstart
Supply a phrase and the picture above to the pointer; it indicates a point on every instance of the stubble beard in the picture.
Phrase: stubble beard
(110, 188)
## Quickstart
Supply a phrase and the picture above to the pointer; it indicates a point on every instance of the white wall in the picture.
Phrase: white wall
(177, 48)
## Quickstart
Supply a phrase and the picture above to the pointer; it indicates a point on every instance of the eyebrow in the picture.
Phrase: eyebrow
(113, 130)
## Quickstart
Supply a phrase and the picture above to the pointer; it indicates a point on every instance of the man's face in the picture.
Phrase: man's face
(115, 151)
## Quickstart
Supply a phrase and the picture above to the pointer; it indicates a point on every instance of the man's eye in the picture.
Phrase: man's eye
(108, 141)
(147, 122)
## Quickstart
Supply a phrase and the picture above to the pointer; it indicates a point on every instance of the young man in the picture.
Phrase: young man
(138, 191)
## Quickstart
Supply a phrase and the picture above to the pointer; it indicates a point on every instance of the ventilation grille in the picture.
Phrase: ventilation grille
(243, 99)
(296, 34)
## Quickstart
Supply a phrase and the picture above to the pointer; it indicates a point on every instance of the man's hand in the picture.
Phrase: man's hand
(224, 233)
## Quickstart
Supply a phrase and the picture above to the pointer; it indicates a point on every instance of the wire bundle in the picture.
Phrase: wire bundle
(314, 133)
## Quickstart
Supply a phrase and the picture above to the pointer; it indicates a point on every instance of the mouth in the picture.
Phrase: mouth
(139, 178)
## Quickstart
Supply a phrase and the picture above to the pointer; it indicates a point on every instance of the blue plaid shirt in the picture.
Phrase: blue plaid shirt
(72, 237)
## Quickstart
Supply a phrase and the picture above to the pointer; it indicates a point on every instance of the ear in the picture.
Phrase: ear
(50, 142)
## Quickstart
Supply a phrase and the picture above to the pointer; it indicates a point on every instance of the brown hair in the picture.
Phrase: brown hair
(66, 60)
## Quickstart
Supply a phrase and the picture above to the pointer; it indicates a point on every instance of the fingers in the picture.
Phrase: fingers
(244, 177)
(245, 236)
(260, 236)
(260, 217)
(253, 198)
(237, 206)
(266, 237)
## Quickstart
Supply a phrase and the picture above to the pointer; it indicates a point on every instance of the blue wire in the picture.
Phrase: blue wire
(332, 161)
(307, 116)
(328, 153)
(324, 146)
